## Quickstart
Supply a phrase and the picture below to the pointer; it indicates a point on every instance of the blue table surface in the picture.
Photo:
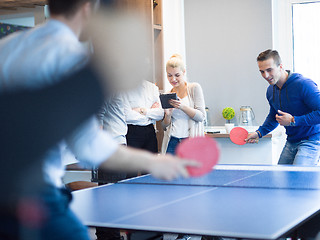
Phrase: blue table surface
(229, 203)
(244, 178)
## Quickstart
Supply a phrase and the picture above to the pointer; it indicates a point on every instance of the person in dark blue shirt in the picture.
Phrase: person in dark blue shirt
(27, 133)
(295, 104)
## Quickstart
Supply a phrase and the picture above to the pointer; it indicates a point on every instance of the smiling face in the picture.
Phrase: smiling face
(270, 71)
(175, 76)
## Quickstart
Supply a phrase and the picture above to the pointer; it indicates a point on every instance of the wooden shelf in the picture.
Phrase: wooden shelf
(14, 4)
(157, 27)
(153, 21)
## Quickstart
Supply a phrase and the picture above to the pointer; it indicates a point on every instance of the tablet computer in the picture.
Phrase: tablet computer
(164, 98)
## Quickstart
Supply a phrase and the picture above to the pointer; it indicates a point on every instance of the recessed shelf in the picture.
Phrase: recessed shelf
(157, 27)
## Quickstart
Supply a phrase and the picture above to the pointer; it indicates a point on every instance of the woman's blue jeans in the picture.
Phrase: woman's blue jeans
(172, 145)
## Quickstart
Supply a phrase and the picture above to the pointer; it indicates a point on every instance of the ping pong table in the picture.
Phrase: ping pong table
(251, 202)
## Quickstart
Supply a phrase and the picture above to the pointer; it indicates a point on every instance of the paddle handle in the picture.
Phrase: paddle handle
(254, 141)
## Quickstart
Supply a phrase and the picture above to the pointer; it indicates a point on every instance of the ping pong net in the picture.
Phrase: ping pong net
(246, 176)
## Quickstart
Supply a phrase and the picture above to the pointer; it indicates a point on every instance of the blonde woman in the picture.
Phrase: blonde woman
(186, 117)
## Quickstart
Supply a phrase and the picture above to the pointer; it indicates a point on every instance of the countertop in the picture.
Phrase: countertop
(220, 131)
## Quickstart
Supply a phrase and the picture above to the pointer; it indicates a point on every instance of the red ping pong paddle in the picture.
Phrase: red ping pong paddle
(238, 135)
(201, 149)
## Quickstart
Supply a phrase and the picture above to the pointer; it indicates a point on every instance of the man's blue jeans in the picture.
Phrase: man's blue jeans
(61, 221)
(304, 152)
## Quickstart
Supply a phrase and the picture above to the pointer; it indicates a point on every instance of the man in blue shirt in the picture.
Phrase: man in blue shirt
(295, 104)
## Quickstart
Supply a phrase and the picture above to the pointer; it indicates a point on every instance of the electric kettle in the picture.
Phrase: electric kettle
(246, 116)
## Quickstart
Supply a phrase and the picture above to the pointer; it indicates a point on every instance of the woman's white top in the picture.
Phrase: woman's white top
(195, 126)
(180, 121)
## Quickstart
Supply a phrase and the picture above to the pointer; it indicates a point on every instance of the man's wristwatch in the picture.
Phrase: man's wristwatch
(292, 122)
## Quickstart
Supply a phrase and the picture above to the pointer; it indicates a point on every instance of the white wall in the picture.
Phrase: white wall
(26, 20)
(28, 17)
(173, 31)
(223, 39)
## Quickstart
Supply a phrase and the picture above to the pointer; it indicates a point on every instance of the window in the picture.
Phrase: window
(306, 39)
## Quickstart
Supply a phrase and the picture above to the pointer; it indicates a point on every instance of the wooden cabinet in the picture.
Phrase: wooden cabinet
(158, 44)
(151, 11)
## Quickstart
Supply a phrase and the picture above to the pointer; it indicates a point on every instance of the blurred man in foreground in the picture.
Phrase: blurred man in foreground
(41, 57)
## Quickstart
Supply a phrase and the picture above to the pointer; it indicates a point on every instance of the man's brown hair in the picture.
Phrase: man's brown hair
(66, 8)
(263, 56)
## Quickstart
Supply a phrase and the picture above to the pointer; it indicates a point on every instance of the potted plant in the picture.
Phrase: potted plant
(228, 114)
